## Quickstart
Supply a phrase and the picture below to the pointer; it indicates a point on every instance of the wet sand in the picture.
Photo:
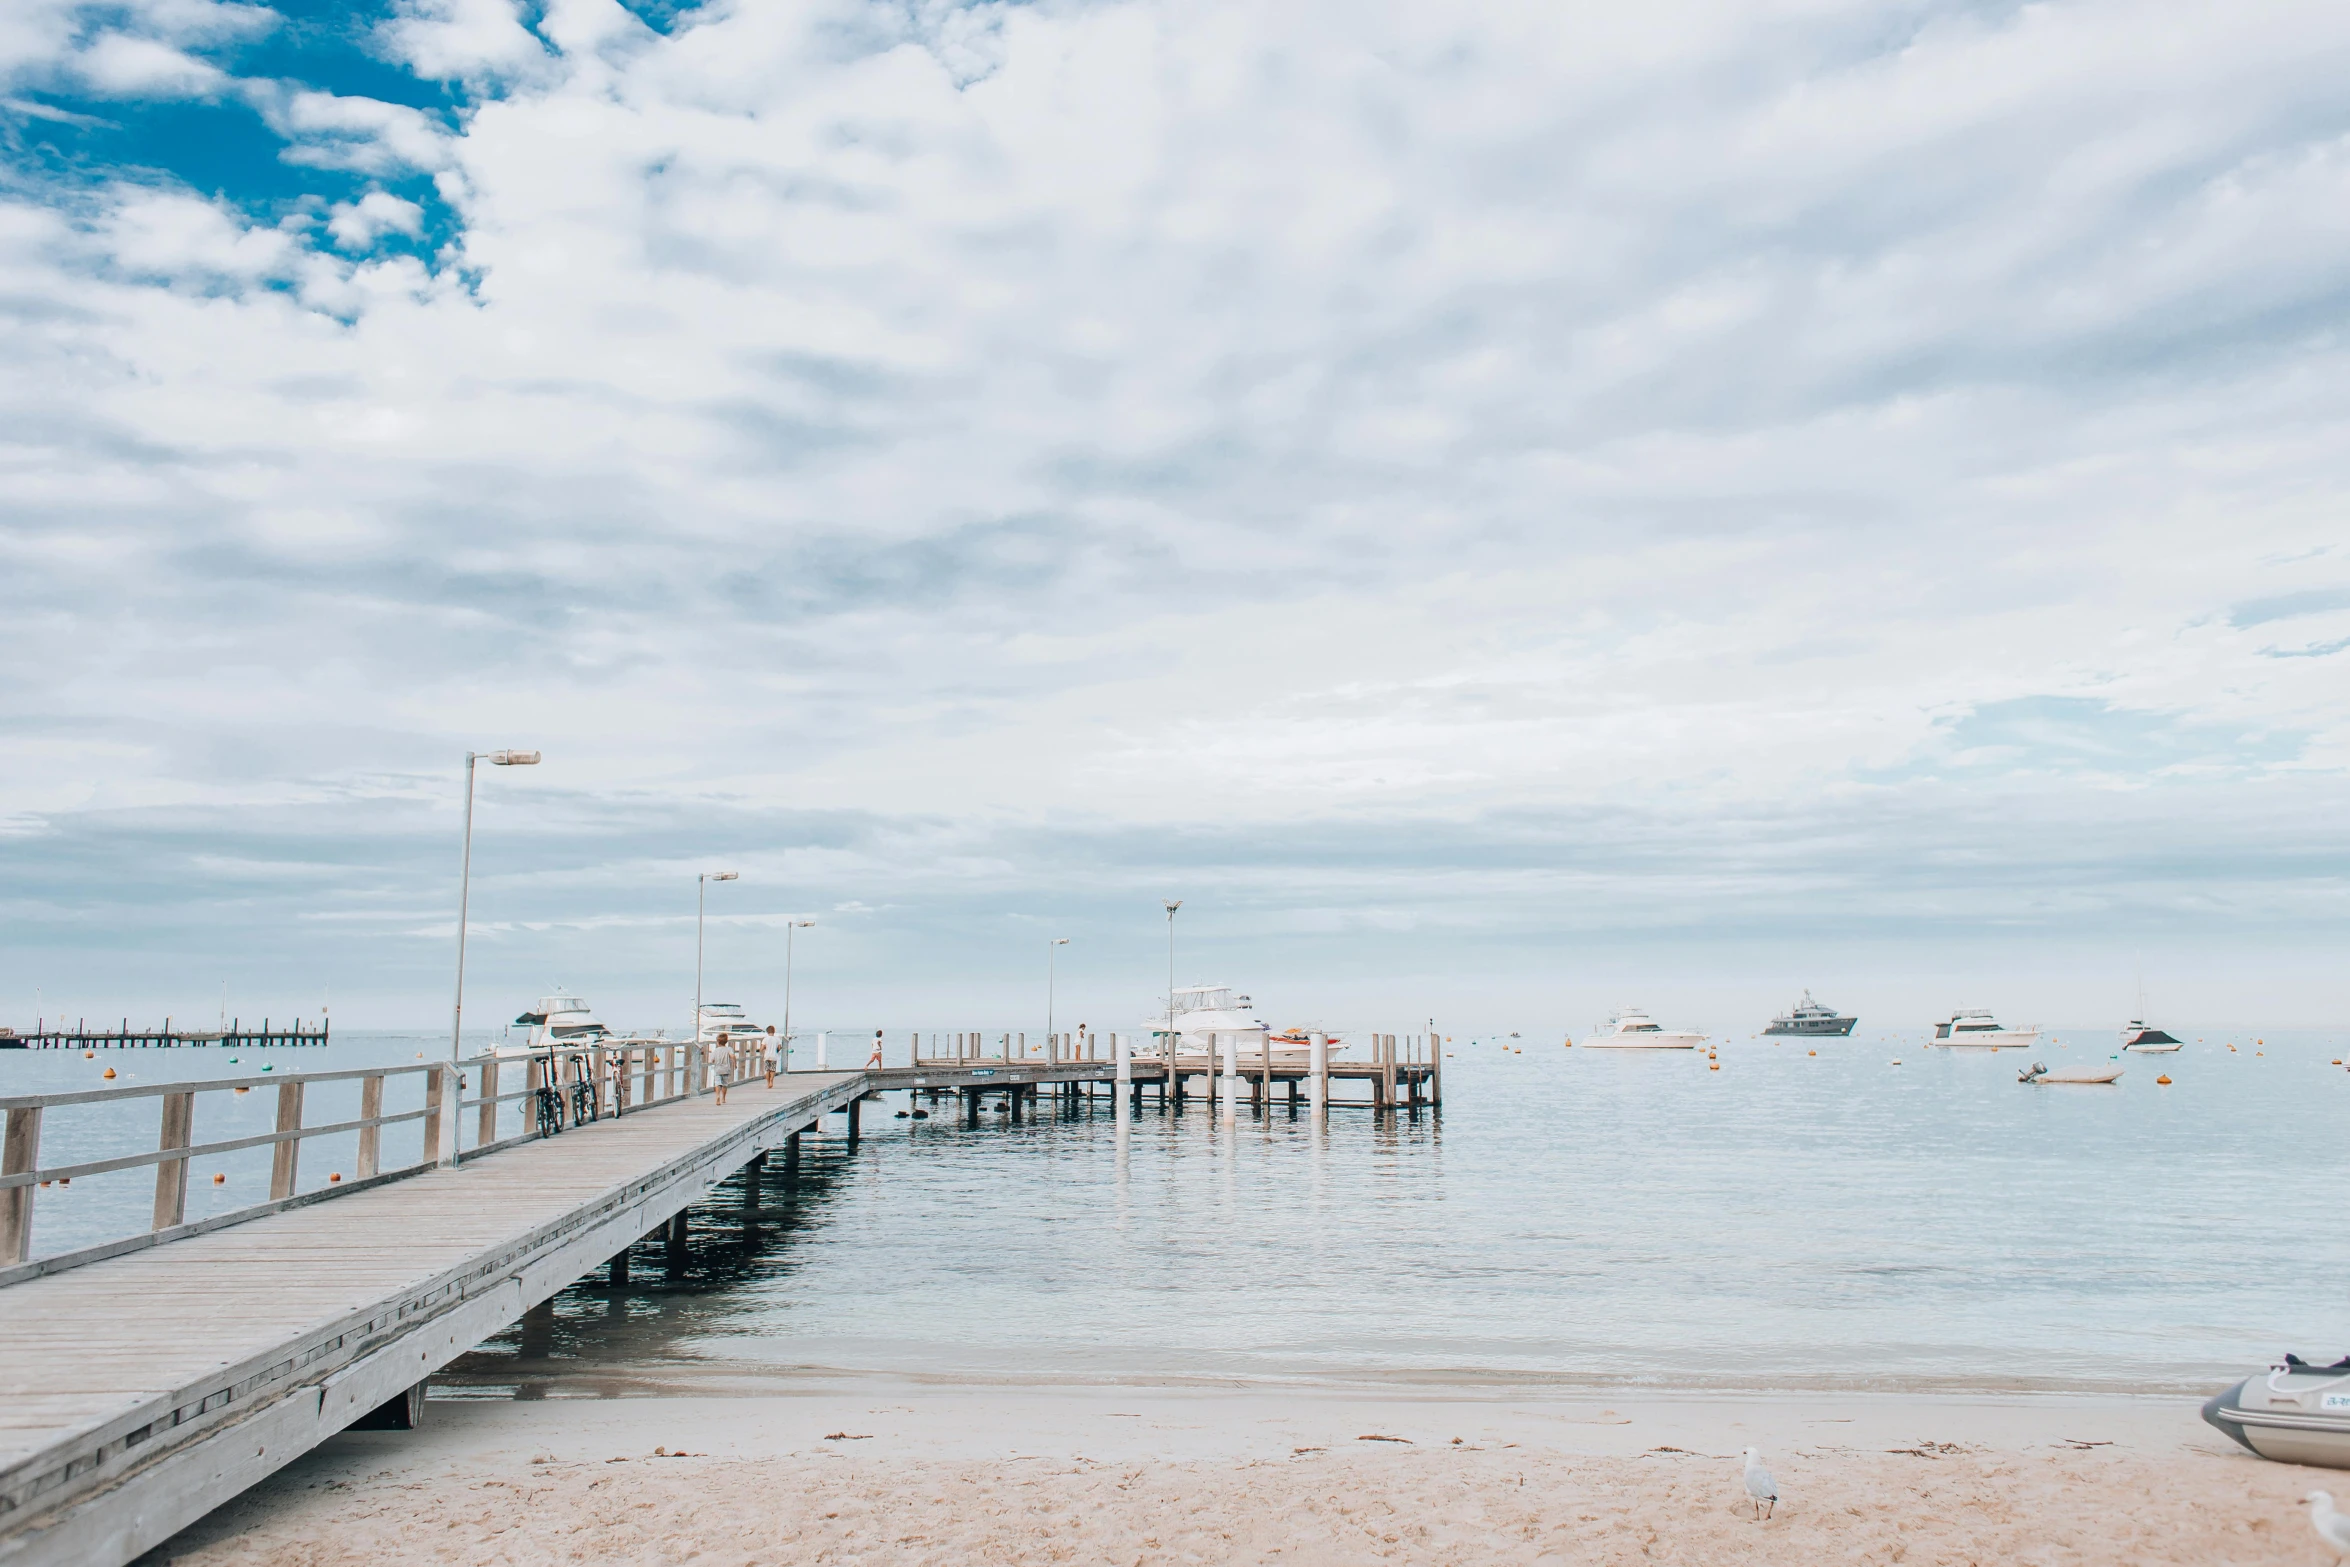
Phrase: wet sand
(887, 1470)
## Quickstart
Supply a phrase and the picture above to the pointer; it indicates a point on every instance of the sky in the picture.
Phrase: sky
(1504, 509)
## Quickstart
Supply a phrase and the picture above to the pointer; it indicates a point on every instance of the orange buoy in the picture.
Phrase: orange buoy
(218, 1178)
(2164, 1079)
(89, 1055)
(241, 1088)
(1811, 1052)
(110, 1071)
(1713, 1066)
(338, 1175)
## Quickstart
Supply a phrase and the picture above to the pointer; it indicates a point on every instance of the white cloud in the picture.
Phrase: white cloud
(365, 135)
(463, 40)
(356, 225)
(1255, 421)
(117, 65)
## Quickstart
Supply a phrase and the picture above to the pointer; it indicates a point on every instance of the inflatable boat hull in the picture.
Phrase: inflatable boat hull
(2300, 1416)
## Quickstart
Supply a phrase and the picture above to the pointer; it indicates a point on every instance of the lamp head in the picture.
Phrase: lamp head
(1060, 941)
(514, 759)
(722, 876)
(803, 924)
(1172, 907)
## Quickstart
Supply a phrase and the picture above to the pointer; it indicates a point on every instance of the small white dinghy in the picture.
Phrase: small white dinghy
(2071, 1074)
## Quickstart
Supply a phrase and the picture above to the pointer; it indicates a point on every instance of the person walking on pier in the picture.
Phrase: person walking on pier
(722, 1064)
(774, 1054)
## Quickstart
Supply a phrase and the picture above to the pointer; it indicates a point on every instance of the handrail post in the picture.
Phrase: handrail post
(286, 1156)
(171, 1176)
(433, 1077)
(694, 1073)
(371, 1138)
(20, 1154)
(486, 1125)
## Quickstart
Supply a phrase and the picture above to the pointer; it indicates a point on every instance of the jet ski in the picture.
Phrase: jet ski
(2296, 1414)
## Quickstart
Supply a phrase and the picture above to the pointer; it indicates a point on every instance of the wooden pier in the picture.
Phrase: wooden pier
(146, 1380)
(230, 1035)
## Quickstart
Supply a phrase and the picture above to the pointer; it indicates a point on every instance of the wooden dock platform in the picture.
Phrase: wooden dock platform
(145, 1383)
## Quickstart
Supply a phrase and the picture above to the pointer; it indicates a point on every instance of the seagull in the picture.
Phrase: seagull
(1761, 1488)
(2331, 1527)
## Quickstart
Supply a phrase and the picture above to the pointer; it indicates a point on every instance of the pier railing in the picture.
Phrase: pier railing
(624, 1077)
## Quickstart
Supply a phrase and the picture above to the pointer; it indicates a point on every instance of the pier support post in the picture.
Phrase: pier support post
(20, 1154)
(486, 1132)
(673, 1242)
(371, 1138)
(285, 1157)
(1318, 1068)
(791, 1157)
(620, 1270)
(855, 1105)
(1435, 1067)
(538, 1331)
(171, 1176)
(1230, 1087)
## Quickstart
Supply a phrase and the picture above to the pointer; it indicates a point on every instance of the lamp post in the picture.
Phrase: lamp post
(465, 881)
(701, 896)
(1052, 953)
(1172, 1090)
(789, 926)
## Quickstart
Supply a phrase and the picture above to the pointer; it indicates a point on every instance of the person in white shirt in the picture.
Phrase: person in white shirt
(774, 1055)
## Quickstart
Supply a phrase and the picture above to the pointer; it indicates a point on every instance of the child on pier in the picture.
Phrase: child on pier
(774, 1054)
(722, 1065)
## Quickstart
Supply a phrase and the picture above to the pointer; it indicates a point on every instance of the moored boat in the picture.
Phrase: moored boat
(2296, 1413)
(1629, 1028)
(559, 1022)
(728, 1018)
(1810, 1019)
(2039, 1073)
(1979, 1030)
(2146, 1039)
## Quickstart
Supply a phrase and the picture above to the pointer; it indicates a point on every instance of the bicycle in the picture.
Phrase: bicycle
(547, 1101)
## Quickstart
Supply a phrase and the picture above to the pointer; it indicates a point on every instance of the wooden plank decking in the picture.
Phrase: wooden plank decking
(140, 1392)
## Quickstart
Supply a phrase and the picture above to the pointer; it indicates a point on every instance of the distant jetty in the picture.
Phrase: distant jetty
(233, 1033)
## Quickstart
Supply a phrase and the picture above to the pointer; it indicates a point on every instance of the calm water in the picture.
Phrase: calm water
(1788, 1220)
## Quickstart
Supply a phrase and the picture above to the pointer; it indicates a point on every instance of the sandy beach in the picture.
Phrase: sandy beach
(888, 1470)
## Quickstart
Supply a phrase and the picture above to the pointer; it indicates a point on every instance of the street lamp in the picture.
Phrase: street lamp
(1171, 908)
(789, 926)
(1052, 953)
(465, 881)
(701, 896)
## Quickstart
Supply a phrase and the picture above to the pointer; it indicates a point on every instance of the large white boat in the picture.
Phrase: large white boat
(561, 1020)
(1202, 1018)
(1979, 1030)
(1632, 1029)
(726, 1017)
(2145, 1038)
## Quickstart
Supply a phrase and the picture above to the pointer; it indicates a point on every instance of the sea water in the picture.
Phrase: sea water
(1791, 1220)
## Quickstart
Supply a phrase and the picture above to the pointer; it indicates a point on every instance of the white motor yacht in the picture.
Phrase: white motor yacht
(726, 1017)
(1202, 1017)
(1979, 1030)
(2146, 1039)
(1632, 1029)
(558, 1022)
